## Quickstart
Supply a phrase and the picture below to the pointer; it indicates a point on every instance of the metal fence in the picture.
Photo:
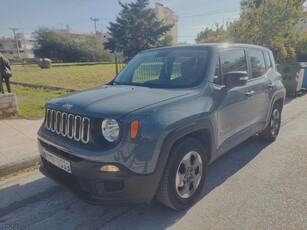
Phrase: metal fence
(120, 62)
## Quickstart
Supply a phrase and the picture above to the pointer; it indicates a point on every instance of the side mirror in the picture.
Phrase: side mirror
(235, 79)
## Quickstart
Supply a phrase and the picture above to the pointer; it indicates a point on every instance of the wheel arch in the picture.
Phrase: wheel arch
(202, 130)
(280, 102)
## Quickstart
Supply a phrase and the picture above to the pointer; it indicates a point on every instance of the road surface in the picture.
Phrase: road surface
(258, 185)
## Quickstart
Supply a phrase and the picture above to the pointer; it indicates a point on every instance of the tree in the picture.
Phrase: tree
(248, 3)
(301, 48)
(270, 24)
(136, 29)
(64, 47)
(217, 33)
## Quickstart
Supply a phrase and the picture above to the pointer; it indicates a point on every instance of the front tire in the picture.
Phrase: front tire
(272, 129)
(184, 174)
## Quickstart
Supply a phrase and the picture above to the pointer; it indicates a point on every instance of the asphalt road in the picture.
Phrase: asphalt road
(258, 185)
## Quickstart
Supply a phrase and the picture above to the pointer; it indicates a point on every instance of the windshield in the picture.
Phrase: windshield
(180, 67)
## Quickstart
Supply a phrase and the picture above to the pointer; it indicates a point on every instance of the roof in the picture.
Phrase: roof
(219, 46)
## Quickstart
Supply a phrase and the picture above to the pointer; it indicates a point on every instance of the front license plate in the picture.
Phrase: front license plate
(57, 161)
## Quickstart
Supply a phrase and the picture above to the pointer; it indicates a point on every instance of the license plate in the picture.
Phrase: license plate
(57, 161)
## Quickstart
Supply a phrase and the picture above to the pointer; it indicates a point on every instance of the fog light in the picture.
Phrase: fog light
(109, 168)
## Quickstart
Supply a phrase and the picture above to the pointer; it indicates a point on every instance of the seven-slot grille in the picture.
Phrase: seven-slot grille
(68, 125)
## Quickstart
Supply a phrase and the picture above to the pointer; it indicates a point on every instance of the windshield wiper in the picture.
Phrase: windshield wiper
(116, 83)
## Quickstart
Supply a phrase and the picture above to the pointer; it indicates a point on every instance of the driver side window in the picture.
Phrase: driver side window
(229, 61)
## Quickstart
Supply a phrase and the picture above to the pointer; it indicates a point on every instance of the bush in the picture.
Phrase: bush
(68, 48)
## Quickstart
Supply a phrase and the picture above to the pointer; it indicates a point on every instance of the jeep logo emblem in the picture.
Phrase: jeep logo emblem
(67, 106)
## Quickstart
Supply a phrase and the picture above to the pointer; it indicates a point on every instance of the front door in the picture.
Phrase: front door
(235, 107)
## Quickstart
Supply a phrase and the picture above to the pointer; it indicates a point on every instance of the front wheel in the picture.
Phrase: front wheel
(271, 131)
(184, 174)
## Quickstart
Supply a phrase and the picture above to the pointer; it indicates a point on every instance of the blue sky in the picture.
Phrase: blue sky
(28, 15)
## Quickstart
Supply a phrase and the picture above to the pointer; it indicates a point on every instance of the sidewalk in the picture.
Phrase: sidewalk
(18, 146)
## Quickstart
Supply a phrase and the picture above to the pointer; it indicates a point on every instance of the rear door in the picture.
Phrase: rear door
(260, 81)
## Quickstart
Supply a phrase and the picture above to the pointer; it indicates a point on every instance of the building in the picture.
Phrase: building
(25, 42)
(169, 18)
(77, 36)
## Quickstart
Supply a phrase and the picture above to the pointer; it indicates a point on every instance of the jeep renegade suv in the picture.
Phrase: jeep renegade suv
(154, 129)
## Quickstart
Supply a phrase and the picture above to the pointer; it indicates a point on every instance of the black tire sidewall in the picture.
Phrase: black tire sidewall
(279, 122)
(266, 134)
(173, 164)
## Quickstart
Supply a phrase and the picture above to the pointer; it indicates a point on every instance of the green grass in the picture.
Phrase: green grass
(31, 101)
(70, 75)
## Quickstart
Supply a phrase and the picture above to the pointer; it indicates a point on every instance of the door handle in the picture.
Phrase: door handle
(271, 85)
(249, 93)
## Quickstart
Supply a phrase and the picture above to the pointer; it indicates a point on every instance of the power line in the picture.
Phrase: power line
(211, 12)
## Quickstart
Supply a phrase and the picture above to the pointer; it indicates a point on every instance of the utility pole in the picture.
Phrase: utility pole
(95, 20)
(14, 31)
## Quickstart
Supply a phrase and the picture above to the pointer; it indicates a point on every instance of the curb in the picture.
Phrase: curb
(16, 166)
(41, 86)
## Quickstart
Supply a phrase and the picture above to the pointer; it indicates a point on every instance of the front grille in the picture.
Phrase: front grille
(68, 125)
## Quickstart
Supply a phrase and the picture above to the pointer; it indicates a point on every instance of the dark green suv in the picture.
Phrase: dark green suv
(154, 129)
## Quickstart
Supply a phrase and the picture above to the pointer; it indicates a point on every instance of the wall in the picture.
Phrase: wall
(8, 105)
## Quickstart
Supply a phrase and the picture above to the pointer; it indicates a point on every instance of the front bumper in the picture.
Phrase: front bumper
(102, 188)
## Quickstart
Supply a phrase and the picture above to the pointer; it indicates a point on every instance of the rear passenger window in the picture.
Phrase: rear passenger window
(230, 60)
(257, 63)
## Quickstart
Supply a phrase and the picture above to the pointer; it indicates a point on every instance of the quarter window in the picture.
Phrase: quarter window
(268, 62)
(257, 63)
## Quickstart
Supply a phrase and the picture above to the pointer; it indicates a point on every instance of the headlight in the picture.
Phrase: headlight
(110, 129)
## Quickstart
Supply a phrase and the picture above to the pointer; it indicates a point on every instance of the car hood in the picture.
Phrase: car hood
(113, 101)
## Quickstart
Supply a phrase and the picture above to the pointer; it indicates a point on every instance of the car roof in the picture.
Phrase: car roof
(219, 46)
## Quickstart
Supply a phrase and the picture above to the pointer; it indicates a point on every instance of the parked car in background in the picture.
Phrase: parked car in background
(153, 130)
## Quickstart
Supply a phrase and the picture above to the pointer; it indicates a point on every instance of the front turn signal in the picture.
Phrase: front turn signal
(134, 129)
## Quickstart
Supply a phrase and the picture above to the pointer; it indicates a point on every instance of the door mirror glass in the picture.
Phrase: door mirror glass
(235, 79)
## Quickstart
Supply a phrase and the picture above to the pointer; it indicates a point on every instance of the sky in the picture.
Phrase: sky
(29, 15)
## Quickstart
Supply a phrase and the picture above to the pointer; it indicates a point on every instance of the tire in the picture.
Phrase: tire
(184, 174)
(272, 129)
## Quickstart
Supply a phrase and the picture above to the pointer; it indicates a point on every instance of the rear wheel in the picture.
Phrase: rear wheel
(271, 131)
(184, 174)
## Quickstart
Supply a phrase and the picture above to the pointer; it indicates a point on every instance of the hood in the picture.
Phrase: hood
(113, 101)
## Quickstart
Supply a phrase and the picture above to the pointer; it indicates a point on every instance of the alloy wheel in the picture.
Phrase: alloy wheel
(189, 174)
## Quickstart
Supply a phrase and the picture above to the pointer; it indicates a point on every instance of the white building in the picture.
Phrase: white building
(77, 36)
(26, 43)
(169, 18)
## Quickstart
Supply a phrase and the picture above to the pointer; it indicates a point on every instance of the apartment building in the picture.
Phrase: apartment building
(21, 48)
(169, 18)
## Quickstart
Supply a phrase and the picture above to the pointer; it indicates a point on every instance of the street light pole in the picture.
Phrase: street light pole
(95, 20)
(14, 31)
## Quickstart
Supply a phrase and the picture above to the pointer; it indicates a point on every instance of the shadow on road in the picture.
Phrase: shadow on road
(72, 213)
(232, 162)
